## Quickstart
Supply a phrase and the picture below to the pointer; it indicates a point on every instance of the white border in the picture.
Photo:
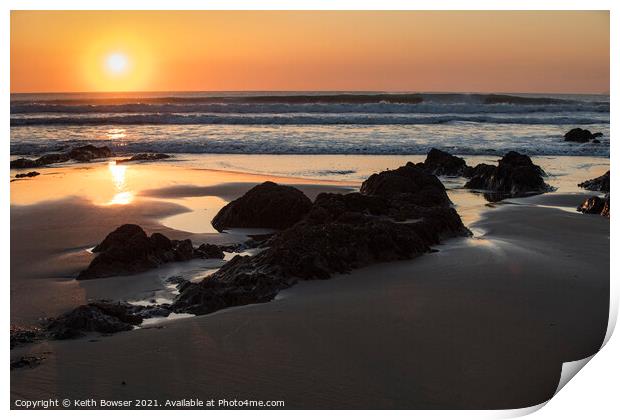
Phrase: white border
(592, 395)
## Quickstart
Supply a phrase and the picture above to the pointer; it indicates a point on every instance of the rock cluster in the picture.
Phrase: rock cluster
(128, 250)
(579, 135)
(30, 174)
(595, 204)
(80, 154)
(145, 157)
(601, 183)
(397, 215)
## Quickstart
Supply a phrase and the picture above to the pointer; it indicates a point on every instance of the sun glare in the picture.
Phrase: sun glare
(116, 63)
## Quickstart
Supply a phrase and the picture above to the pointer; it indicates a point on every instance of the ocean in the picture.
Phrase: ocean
(316, 123)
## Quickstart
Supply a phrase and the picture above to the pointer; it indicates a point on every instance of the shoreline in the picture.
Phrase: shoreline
(421, 308)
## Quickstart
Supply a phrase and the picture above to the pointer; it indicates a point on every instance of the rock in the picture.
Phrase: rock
(515, 175)
(128, 250)
(81, 154)
(596, 205)
(424, 188)
(21, 335)
(209, 251)
(26, 361)
(601, 183)
(103, 317)
(597, 134)
(28, 174)
(596, 141)
(579, 135)
(267, 205)
(90, 152)
(441, 163)
(341, 232)
(145, 157)
(175, 280)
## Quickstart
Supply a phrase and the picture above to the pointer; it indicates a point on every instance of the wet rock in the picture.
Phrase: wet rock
(209, 251)
(597, 135)
(515, 175)
(30, 174)
(90, 152)
(102, 317)
(175, 279)
(26, 362)
(81, 154)
(579, 135)
(596, 205)
(128, 250)
(418, 186)
(442, 163)
(601, 183)
(267, 205)
(145, 157)
(341, 232)
(21, 335)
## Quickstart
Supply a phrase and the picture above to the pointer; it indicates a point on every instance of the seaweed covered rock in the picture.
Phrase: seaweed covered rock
(601, 183)
(128, 250)
(30, 174)
(441, 163)
(398, 215)
(515, 175)
(267, 205)
(596, 205)
(90, 152)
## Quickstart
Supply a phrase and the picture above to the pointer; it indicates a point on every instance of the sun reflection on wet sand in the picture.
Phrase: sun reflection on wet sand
(118, 173)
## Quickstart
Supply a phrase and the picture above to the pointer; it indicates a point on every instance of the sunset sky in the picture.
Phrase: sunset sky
(388, 51)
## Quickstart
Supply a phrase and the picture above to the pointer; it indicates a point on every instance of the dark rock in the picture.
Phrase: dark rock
(596, 135)
(341, 232)
(28, 174)
(128, 250)
(418, 185)
(442, 163)
(90, 152)
(22, 163)
(209, 251)
(601, 183)
(81, 154)
(515, 175)
(267, 205)
(103, 317)
(596, 205)
(26, 361)
(145, 157)
(21, 335)
(579, 135)
(596, 141)
(175, 279)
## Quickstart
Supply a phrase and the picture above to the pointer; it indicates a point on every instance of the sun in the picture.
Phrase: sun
(116, 63)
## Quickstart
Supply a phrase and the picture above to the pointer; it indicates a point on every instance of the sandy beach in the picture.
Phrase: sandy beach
(484, 323)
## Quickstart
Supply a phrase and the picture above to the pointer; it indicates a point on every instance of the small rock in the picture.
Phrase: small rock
(28, 174)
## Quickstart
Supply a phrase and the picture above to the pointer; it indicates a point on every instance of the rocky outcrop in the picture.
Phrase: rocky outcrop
(579, 135)
(145, 157)
(104, 317)
(596, 205)
(397, 215)
(441, 163)
(515, 175)
(80, 154)
(267, 205)
(128, 250)
(601, 183)
(30, 174)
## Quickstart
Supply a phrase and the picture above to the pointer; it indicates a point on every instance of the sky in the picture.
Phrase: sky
(466, 51)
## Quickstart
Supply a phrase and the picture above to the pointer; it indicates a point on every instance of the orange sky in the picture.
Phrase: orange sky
(58, 51)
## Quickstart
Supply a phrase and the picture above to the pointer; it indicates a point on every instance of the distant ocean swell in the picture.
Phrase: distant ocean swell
(316, 123)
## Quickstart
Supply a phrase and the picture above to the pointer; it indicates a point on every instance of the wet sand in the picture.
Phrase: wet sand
(485, 323)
